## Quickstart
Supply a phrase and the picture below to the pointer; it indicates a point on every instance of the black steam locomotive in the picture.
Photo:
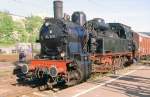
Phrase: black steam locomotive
(67, 47)
(63, 58)
(61, 39)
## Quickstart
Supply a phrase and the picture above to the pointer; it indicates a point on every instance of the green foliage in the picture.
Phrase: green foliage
(6, 23)
(18, 26)
(6, 28)
(18, 31)
(22, 35)
(33, 24)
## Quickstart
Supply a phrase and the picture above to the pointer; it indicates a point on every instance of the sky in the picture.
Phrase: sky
(135, 13)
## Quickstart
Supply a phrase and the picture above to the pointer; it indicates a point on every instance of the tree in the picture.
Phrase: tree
(32, 25)
(20, 32)
(6, 27)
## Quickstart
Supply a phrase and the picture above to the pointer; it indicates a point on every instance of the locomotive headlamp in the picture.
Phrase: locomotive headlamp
(24, 68)
(85, 58)
(62, 54)
(53, 71)
(50, 31)
(47, 24)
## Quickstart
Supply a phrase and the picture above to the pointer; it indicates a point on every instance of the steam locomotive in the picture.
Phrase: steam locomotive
(71, 49)
(63, 59)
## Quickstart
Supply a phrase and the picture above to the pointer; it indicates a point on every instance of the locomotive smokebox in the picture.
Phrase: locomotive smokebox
(58, 9)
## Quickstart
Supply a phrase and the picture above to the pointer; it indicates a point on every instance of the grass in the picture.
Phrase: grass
(6, 45)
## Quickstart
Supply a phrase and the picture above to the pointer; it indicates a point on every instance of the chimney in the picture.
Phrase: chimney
(58, 9)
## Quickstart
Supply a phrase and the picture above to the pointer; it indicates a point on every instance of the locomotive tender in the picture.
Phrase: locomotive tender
(72, 50)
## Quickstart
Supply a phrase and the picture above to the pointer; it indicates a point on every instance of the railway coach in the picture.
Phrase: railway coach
(143, 44)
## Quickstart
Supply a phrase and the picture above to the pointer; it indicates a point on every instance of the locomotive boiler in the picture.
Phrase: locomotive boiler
(63, 58)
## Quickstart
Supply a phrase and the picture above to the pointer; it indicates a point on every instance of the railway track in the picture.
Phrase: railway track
(145, 62)
(10, 88)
